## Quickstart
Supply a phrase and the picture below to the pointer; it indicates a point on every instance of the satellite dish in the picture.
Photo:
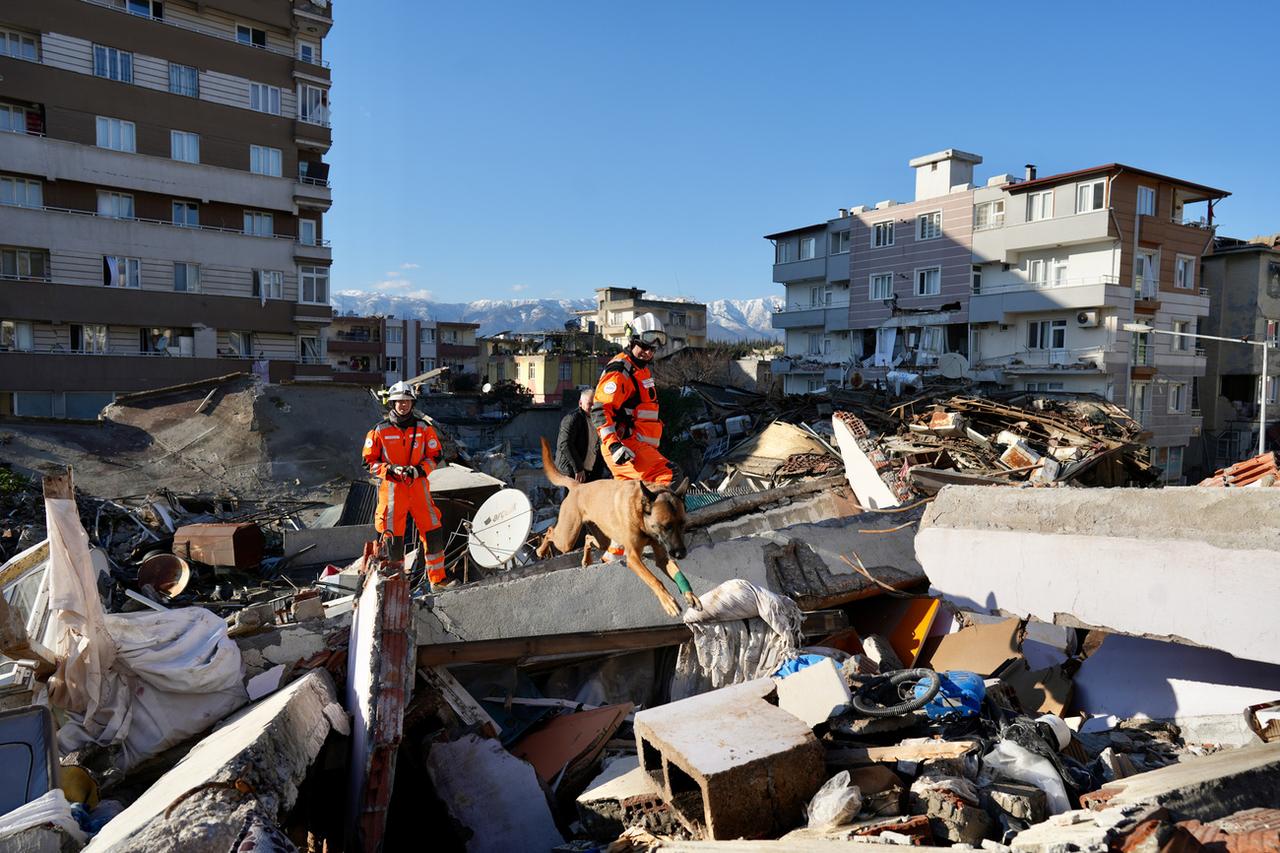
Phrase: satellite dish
(487, 387)
(953, 365)
(500, 528)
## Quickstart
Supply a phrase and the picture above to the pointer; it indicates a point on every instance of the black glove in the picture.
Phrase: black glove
(621, 453)
(402, 473)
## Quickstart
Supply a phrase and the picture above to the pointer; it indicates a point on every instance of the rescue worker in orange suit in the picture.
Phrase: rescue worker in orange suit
(624, 411)
(402, 450)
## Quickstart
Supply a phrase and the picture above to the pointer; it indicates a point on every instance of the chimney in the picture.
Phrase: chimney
(844, 213)
(1031, 171)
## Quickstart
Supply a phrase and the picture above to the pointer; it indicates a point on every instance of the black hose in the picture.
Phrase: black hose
(866, 703)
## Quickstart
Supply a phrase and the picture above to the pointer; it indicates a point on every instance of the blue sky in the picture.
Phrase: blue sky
(504, 149)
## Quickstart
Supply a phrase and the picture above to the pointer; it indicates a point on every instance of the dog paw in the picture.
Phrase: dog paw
(692, 600)
(669, 605)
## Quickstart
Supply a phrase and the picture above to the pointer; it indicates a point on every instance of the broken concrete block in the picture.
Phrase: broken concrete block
(308, 608)
(730, 762)
(1204, 788)
(1054, 837)
(951, 817)
(601, 806)
(197, 805)
(815, 693)
(1024, 802)
(493, 794)
(880, 651)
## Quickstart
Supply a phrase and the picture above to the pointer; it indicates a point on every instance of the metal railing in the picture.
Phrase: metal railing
(989, 226)
(313, 182)
(1082, 281)
(172, 224)
(204, 31)
(1204, 291)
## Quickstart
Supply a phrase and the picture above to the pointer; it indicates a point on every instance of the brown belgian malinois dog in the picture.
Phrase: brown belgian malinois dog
(628, 512)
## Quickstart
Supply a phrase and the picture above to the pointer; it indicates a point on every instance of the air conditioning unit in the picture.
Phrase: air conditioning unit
(1087, 319)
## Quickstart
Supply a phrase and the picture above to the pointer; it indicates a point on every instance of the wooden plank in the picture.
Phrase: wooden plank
(463, 703)
(523, 648)
(59, 486)
(901, 752)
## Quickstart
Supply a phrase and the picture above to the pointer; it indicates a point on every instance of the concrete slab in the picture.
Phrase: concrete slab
(269, 746)
(564, 598)
(730, 762)
(338, 545)
(1191, 565)
(1207, 787)
(602, 806)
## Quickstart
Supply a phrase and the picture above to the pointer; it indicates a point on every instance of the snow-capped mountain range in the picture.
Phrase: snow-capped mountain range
(727, 319)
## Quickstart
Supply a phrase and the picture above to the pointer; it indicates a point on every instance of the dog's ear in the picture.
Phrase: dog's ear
(649, 496)
(679, 490)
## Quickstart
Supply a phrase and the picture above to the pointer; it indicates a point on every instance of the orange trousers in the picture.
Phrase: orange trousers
(398, 501)
(649, 465)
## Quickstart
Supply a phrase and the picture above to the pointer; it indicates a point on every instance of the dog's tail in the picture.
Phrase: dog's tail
(552, 472)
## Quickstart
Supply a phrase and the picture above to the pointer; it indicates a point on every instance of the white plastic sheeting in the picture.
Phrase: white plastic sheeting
(145, 681)
(50, 809)
(742, 633)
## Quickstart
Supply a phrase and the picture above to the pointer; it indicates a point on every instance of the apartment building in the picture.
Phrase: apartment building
(1243, 279)
(457, 349)
(354, 349)
(162, 196)
(616, 307)
(547, 365)
(1026, 283)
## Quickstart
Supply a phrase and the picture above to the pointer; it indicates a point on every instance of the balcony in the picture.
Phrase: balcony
(250, 9)
(346, 343)
(319, 250)
(810, 268)
(123, 372)
(312, 192)
(445, 350)
(312, 136)
(814, 316)
(994, 304)
(1085, 360)
(1004, 244)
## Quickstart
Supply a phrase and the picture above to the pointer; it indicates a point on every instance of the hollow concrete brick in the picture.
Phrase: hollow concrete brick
(731, 763)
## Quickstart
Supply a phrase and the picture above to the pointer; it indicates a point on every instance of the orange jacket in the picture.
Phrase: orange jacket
(387, 444)
(625, 407)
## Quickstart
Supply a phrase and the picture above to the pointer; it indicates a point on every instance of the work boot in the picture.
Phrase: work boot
(447, 583)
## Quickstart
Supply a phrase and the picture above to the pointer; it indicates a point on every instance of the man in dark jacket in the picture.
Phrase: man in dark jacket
(578, 446)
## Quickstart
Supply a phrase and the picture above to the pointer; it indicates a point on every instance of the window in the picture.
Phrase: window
(819, 296)
(1177, 397)
(1273, 389)
(426, 364)
(815, 344)
(975, 279)
(184, 80)
(115, 205)
(112, 63)
(931, 339)
(1180, 344)
(533, 371)
(264, 98)
(427, 336)
(264, 160)
(90, 338)
(186, 214)
(309, 349)
(929, 226)
(186, 278)
(1146, 279)
(989, 214)
(21, 192)
(1146, 201)
(1184, 272)
(309, 52)
(1143, 351)
(678, 318)
(1040, 205)
(240, 344)
(1044, 386)
(1140, 401)
(15, 119)
(781, 253)
(929, 281)
(145, 8)
(251, 35)
(184, 146)
(24, 263)
(839, 242)
(16, 335)
(121, 272)
(268, 284)
(313, 285)
(566, 371)
(116, 134)
(160, 340)
(393, 364)
(313, 104)
(808, 248)
(1089, 196)
(1272, 333)
(881, 286)
(395, 334)
(258, 224)
(1173, 468)
(882, 234)
(1037, 271)
(19, 45)
(1047, 334)
(307, 232)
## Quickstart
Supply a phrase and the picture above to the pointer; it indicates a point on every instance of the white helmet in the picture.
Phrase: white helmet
(647, 330)
(401, 391)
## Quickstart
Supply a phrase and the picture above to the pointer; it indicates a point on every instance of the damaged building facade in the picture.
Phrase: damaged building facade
(162, 197)
(1025, 283)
